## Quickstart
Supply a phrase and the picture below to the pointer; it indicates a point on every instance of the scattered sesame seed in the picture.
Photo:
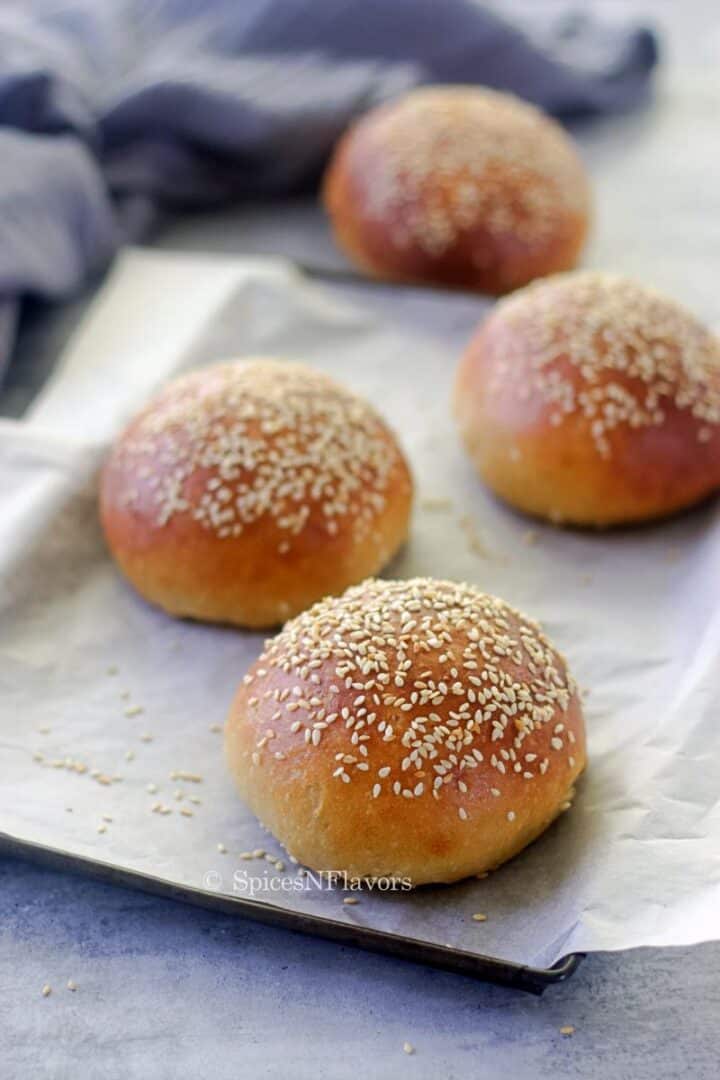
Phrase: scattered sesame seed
(568, 1029)
(222, 849)
(350, 900)
(408, 1048)
(479, 917)
(133, 710)
(46, 990)
(435, 504)
(71, 985)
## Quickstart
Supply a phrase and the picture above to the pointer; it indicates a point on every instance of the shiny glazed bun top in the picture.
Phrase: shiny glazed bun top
(417, 728)
(590, 398)
(461, 186)
(245, 491)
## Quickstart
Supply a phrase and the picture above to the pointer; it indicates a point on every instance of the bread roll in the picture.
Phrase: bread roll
(413, 729)
(246, 491)
(458, 186)
(592, 400)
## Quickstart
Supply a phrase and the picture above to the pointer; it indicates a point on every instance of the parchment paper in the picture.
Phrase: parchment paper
(637, 859)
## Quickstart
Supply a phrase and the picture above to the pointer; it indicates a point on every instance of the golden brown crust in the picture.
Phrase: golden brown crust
(245, 492)
(461, 187)
(591, 400)
(412, 729)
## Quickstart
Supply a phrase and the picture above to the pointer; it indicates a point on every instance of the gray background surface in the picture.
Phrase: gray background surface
(165, 991)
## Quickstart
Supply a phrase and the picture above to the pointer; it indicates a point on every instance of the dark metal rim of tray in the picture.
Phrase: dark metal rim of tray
(488, 968)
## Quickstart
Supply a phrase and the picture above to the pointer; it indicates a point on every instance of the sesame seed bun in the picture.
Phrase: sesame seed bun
(416, 729)
(246, 491)
(592, 400)
(461, 187)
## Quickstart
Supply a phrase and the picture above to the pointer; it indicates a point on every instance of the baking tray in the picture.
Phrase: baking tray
(595, 862)
(490, 969)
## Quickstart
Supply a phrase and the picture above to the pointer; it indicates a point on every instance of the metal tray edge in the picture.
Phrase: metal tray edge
(486, 968)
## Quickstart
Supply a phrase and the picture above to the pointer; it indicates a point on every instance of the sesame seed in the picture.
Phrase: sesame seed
(436, 156)
(222, 849)
(71, 985)
(479, 917)
(350, 900)
(612, 353)
(408, 1048)
(435, 503)
(465, 681)
(265, 439)
(46, 990)
(568, 1029)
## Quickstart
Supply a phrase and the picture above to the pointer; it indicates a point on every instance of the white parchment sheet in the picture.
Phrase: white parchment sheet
(636, 861)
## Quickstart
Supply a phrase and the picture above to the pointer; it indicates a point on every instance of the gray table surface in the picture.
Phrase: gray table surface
(169, 991)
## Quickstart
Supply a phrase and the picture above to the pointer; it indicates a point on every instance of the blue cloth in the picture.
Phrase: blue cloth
(110, 109)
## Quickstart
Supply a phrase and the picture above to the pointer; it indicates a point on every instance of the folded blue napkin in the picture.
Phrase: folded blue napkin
(110, 109)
